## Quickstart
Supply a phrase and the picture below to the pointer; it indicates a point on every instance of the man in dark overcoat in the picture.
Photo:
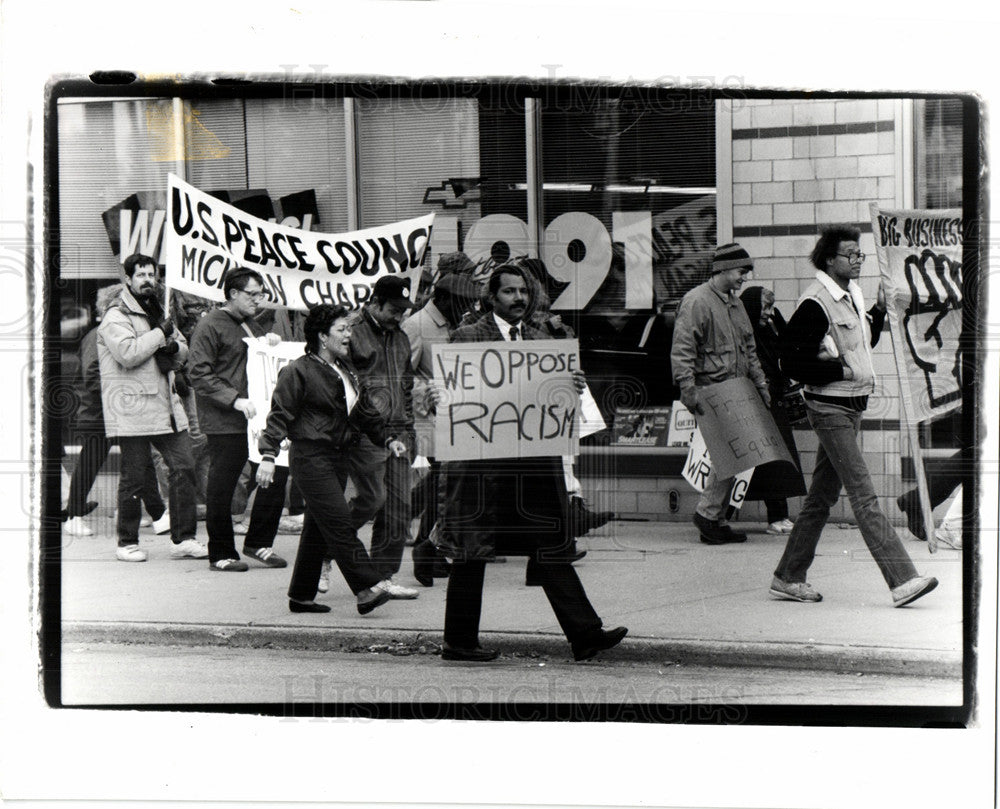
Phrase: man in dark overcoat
(510, 507)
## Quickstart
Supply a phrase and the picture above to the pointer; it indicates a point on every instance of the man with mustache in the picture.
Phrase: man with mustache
(139, 352)
(511, 506)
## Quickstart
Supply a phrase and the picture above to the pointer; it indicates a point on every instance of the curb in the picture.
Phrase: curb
(660, 651)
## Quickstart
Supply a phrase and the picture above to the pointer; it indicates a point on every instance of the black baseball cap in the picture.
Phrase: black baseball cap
(393, 289)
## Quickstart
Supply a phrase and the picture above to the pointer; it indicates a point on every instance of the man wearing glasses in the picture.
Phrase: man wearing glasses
(713, 341)
(218, 371)
(827, 346)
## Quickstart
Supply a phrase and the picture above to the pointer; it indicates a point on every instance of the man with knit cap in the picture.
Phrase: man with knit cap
(713, 341)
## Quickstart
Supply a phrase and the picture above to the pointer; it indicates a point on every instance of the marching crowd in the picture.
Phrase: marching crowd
(358, 406)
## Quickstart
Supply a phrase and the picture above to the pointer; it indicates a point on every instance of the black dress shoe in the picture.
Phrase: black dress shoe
(714, 533)
(476, 655)
(601, 640)
(307, 606)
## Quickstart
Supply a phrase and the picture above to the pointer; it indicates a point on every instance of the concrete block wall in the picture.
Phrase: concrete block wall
(798, 165)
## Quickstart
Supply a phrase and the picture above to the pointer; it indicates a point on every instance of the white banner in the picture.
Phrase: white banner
(920, 259)
(301, 269)
(698, 464)
(263, 363)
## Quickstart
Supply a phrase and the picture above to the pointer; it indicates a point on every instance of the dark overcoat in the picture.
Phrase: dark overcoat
(510, 507)
(778, 479)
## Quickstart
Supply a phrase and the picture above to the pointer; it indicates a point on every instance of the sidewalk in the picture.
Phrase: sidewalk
(681, 600)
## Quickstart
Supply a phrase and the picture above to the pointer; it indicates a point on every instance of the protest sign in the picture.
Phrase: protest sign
(301, 269)
(920, 260)
(682, 424)
(698, 465)
(590, 419)
(736, 425)
(263, 364)
(505, 399)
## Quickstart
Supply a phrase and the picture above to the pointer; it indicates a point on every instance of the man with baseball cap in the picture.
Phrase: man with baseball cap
(713, 341)
(380, 352)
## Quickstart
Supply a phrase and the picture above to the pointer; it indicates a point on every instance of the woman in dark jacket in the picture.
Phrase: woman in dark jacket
(775, 481)
(320, 405)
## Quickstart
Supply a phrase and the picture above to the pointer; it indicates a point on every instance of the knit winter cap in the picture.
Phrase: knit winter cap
(730, 257)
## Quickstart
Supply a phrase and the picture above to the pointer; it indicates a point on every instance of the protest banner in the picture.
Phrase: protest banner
(301, 269)
(739, 430)
(920, 261)
(698, 465)
(506, 400)
(263, 363)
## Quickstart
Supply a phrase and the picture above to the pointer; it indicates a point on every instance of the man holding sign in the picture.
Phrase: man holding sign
(713, 342)
(502, 503)
(828, 346)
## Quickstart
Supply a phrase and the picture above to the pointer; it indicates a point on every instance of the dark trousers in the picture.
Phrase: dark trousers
(562, 587)
(383, 491)
(133, 481)
(94, 448)
(777, 510)
(229, 453)
(426, 500)
(943, 477)
(327, 532)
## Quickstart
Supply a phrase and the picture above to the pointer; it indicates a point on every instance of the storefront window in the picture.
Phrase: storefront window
(629, 207)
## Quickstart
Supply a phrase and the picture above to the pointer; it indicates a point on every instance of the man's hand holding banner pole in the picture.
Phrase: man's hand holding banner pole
(920, 261)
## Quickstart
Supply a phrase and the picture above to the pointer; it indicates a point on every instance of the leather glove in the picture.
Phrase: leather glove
(689, 397)
(167, 327)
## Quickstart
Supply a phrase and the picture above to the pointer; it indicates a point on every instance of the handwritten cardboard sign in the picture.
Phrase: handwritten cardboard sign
(506, 400)
(738, 428)
(263, 364)
(698, 466)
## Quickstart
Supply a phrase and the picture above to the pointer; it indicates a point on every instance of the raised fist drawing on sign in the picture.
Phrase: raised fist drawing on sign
(932, 323)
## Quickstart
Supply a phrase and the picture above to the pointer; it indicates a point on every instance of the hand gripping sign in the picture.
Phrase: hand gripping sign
(506, 399)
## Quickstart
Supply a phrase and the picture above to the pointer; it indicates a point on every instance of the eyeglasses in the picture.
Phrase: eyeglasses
(853, 257)
(254, 295)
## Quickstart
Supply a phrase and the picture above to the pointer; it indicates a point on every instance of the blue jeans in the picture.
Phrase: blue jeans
(840, 464)
(176, 451)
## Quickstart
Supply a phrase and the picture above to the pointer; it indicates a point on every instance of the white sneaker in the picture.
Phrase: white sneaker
(780, 527)
(324, 577)
(189, 548)
(396, 590)
(948, 534)
(291, 525)
(75, 527)
(131, 553)
(162, 525)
